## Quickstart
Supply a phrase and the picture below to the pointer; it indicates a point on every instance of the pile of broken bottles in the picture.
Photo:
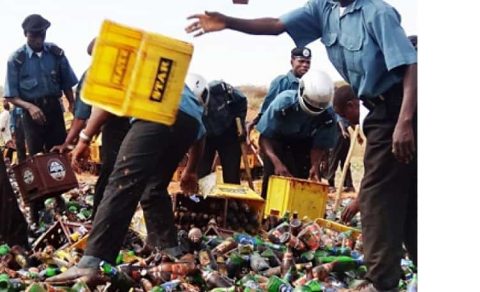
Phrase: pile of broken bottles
(294, 255)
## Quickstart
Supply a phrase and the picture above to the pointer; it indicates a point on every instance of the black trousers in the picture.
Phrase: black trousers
(295, 154)
(388, 200)
(113, 133)
(20, 140)
(43, 138)
(337, 157)
(228, 148)
(13, 226)
(144, 167)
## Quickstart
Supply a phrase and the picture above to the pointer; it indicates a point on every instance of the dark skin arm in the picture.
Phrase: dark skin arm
(76, 127)
(267, 146)
(351, 210)
(317, 156)
(71, 100)
(189, 180)
(34, 111)
(403, 146)
(214, 21)
(97, 119)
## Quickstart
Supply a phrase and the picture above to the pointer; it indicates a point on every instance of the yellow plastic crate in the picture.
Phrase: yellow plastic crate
(308, 198)
(137, 74)
(95, 153)
(338, 227)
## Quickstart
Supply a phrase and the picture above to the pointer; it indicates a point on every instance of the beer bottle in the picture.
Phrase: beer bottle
(274, 235)
(292, 241)
(5, 282)
(340, 263)
(285, 217)
(222, 266)
(214, 279)
(233, 205)
(271, 256)
(258, 263)
(275, 284)
(80, 286)
(295, 224)
(321, 272)
(225, 246)
(121, 281)
(234, 265)
(287, 262)
(4, 249)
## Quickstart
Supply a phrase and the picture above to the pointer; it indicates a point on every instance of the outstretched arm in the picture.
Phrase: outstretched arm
(214, 21)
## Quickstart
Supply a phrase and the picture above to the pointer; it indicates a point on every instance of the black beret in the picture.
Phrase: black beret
(303, 52)
(35, 23)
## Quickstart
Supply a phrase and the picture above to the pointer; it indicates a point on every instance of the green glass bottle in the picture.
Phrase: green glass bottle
(342, 263)
(5, 282)
(275, 284)
(80, 286)
(4, 249)
(36, 287)
(120, 280)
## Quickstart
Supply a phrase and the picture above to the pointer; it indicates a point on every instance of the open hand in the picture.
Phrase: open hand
(63, 148)
(80, 154)
(350, 211)
(37, 115)
(282, 170)
(208, 22)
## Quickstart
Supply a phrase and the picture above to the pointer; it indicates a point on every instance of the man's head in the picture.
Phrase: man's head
(300, 60)
(413, 40)
(35, 29)
(315, 92)
(90, 46)
(346, 104)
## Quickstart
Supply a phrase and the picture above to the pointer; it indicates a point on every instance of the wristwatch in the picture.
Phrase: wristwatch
(84, 137)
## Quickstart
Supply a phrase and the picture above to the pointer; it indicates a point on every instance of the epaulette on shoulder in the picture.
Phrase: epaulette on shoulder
(20, 56)
(56, 50)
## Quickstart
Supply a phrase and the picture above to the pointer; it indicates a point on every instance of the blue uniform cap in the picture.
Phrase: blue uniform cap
(302, 52)
(35, 23)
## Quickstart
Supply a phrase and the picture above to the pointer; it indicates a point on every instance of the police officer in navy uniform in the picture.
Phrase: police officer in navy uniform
(38, 74)
(298, 129)
(369, 48)
(225, 103)
(300, 60)
(148, 157)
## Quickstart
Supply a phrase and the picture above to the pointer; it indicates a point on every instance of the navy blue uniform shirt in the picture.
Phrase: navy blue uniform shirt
(30, 76)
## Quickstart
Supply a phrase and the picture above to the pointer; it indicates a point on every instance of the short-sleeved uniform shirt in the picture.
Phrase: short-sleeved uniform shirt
(192, 107)
(279, 84)
(31, 76)
(365, 44)
(82, 110)
(284, 119)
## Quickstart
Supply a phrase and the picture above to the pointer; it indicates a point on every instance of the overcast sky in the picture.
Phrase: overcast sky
(235, 57)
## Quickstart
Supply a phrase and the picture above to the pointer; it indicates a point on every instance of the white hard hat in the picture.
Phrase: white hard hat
(315, 92)
(199, 86)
